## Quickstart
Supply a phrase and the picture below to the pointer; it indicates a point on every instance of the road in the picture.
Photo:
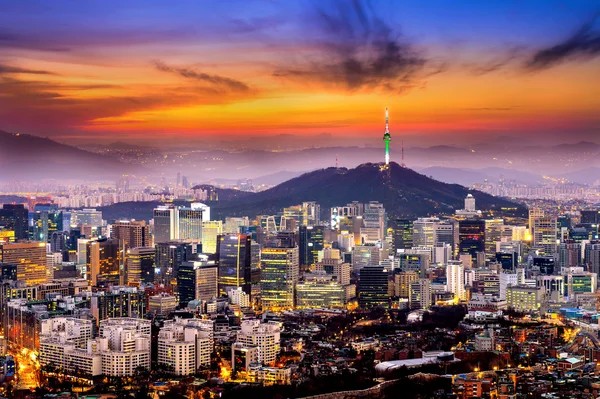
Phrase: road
(27, 369)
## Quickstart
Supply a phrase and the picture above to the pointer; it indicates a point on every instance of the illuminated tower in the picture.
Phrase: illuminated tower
(387, 138)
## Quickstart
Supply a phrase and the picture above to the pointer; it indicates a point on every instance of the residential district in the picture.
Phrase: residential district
(342, 301)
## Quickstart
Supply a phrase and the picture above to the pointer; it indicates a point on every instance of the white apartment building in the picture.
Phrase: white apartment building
(265, 336)
(186, 344)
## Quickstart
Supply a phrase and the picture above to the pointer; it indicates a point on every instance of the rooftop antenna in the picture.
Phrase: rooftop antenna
(336, 161)
(403, 164)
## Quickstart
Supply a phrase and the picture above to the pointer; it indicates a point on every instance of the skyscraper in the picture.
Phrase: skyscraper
(279, 275)
(373, 286)
(311, 241)
(169, 257)
(131, 233)
(210, 231)
(545, 234)
(455, 279)
(140, 266)
(174, 223)
(45, 220)
(197, 280)
(387, 137)
(30, 259)
(234, 261)
(471, 235)
(402, 233)
(15, 218)
(103, 258)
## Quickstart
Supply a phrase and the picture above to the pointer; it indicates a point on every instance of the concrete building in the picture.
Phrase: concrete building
(265, 336)
(186, 345)
(523, 298)
(162, 304)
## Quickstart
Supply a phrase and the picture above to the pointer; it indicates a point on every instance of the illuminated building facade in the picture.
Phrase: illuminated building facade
(279, 275)
(29, 258)
(234, 260)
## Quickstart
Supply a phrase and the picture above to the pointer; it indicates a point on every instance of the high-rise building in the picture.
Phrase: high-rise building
(470, 203)
(129, 344)
(364, 255)
(312, 212)
(185, 345)
(592, 257)
(545, 234)
(169, 257)
(455, 279)
(402, 282)
(15, 218)
(471, 235)
(197, 280)
(118, 301)
(234, 224)
(373, 286)
(420, 294)
(402, 233)
(88, 217)
(279, 275)
(45, 220)
(103, 261)
(424, 232)
(29, 258)
(591, 216)
(131, 233)
(569, 254)
(374, 217)
(265, 336)
(311, 242)
(319, 290)
(165, 223)
(234, 260)
(210, 231)
(335, 267)
(494, 229)
(180, 223)
(140, 265)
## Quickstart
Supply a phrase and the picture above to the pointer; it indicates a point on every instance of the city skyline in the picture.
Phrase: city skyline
(147, 72)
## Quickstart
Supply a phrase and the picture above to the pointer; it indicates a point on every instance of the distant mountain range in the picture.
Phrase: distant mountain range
(28, 157)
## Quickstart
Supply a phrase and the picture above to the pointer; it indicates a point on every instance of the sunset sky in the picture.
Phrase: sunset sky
(449, 70)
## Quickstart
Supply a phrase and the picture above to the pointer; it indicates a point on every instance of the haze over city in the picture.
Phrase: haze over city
(299, 199)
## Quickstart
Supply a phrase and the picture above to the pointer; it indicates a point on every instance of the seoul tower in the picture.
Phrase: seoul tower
(387, 138)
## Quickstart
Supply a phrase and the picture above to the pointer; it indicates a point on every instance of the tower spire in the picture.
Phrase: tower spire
(387, 137)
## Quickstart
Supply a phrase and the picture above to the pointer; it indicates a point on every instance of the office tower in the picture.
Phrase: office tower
(442, 253)
(553, 287)
(590, 216)
(446, 232)
(238, 297)
(165, 223)
(131, 233)
(140, 265)
(364, 255)
(455, 279)
(15, 218)
(88, 217)
(118, 301)
(234, 225)
(578, 281)
(185, 345)
(508, 260)
(265, 336)
(505, 280)
(534, 213)
(569, 254)
(197, 281)
(470, 203)
(58, 242)
(318, 291)
(312, 212)
(169, 257)
(234, 261)
(162, 304)
(545, 264)
(373, 286)
(29, 258)
(210, 231)
(494, 229)
(424, 232)
(402, 233)
(293, 216)
(103, 260)
(190, 221)
(523, 298)
(471, 235)
(387, 137)
(311, 242)
(415, 262)
(545, 234)
(336, 268)
(592, 257)
(402, 282)
(45, 220)
(420, 294)
(279, 275)
(374, 217)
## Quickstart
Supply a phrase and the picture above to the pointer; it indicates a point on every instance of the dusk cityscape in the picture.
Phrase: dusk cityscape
(299, 199)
